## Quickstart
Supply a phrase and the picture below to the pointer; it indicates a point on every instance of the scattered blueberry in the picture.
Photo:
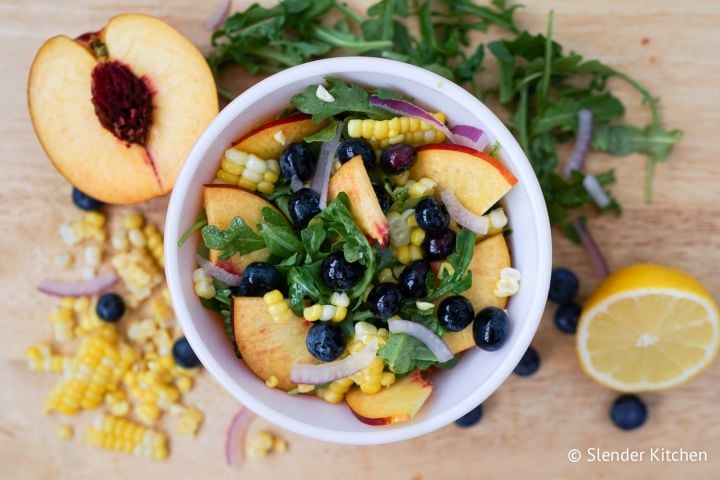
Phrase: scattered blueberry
(563, 286)
(258, 278)
(567, 316)
(398, 158)
(110, 307)
(455, 313)
(491, 328)
(339, 274)
(628, 412)
(303, 206)
(84, 201)
(471, 418)
(298, 160)
(529, 363)
(357, 146)
(438, 246)
(383, 197)
(432, 215)
(325, 341)
(413, 278)
(384, 299)
(184, 355)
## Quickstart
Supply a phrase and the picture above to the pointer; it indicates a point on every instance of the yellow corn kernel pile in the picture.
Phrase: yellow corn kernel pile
(336, 311)
(278, 306)
(138, 272)
(335, 392)
(400, 227)
(41, 359)
(248, 171)
(122, 435)
(203, 283)
(263, 443)
(371, 378)
(424, 187)
(408, 254)
(382, 133)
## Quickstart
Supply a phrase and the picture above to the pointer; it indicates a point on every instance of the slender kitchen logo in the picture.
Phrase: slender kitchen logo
(652, 455)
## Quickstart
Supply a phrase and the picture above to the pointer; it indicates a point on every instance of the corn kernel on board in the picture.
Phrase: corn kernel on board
(527, 427)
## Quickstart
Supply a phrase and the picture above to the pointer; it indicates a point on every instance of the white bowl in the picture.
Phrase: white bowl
(456, 391)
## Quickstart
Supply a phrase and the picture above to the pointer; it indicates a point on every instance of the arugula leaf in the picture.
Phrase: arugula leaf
(349, 98)
(426, 318)
(303, 282)
(278, 235)
(404, 354)
(313, 237)
(620, 140)
(324, 135)
(461, 279)
(237, 238)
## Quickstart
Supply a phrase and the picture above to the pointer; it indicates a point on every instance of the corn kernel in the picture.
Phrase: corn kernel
(256, 165)
(415, 253)
(63, 260)
(305, 388)
(417, 237)
(368, 128)
(354, 128)
(313, 313)
(279, 445)
(133, 220)
(205, 290)
(273, 297)
(386, 276)
(328, 312)
(365, 328)
(340, 314)
(184, 384)
(272, 381)
(340, 299)
(387, 379)
(370, 388)
(403, 255)
(273, 166)
(381, 130)
(270, 176)
(277, 308)
(246, 184)
(265, 187)
(64, 432)
(237, 156)
(412, 221)
(333, 397)
(231, 167)
(136, 237)
(227, 177)
(400, 179)
(423, 306)
(119, 241)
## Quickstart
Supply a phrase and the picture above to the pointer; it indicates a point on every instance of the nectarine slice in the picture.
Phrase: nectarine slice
(352, 178)
(222, 204)
(269, 348)
(490, 256)
(397, 403)
(119, 126)
(262, 141)
(477, 179)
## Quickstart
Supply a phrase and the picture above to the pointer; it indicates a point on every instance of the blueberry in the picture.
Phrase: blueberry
(413, 279)
(110, 307)
(455, 313)
(628, 412)
(325, 341)
(339, 274)
(567, 316)
(529, 363)
(384, 299)
(432, 215)
(491, 328)
(471, 418)
(438, 246)
(398, 158)
(258, 278)
(183, 354)
(383, 197)
(357, 146)
(563, 286)
(84, 201)
(297, 160)
(303, 206)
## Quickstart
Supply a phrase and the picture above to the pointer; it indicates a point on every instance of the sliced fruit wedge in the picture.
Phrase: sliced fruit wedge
(647, 327)
(269, 140)
(477, 179)
(269, 348)
(222, 204)
(397, 403)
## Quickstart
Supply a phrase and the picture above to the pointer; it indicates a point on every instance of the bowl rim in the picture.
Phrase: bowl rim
(341, 66)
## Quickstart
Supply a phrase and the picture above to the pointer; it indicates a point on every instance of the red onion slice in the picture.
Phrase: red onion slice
(596, 191)
(479, 224)
(219, 14)
(327, 372)
(296, 184)
(235, 437)
(321, 179)
(466, 135)
(79, 288)
(425, 335)
(582, 142)
(596, 256)
(218, 273)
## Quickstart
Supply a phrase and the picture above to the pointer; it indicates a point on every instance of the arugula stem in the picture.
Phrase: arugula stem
(225, 92)
(269, 53)
(649, 174)
(348, 12)
(545, 81)
(387, 20)
(522, 113)
(328, 37)
(647, 98)
(194, 228)
(485, 13)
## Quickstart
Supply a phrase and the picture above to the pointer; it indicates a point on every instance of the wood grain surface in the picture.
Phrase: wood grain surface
(530, 424)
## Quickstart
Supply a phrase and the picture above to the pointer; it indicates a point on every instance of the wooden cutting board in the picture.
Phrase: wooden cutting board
(530, 424)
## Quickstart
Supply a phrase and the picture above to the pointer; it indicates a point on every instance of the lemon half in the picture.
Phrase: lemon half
(647, 327)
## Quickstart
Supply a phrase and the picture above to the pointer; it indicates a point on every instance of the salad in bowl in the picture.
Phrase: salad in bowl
(355, 247)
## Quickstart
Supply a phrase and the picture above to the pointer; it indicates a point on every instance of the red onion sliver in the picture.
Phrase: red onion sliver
(219, 14)
(596, 256)
(479, 224)
(235, 437)
(425, 335)
(321, 179)
(296, 184)
(80, 288)
(596, 191)
(582, 142)
(327, 372)
(218, 273)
